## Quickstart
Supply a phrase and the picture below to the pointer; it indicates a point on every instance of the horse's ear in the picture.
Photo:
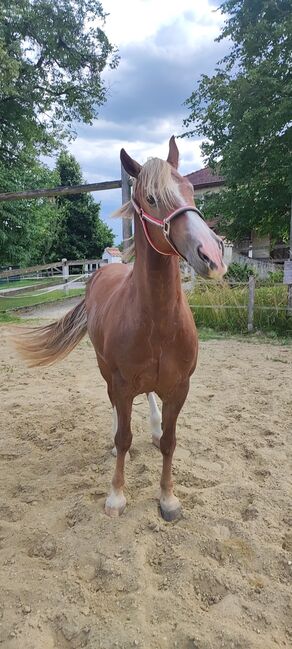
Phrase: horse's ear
(132, 167)
(173, 154)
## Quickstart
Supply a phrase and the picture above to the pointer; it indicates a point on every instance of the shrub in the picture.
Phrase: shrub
(275, 277)
(239, 272)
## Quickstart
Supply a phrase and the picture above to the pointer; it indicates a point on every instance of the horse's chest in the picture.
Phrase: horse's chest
(153, 357)
(168, 360)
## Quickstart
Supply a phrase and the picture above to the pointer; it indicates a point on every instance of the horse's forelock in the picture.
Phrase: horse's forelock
(157, 179)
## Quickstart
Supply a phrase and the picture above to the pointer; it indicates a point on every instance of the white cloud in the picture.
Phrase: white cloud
(100, 158)
(133, 21)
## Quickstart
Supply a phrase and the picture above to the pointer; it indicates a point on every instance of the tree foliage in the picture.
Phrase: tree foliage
(52, 53)
(83, 234)
(42, 230)
(244, 114)
(28, 228)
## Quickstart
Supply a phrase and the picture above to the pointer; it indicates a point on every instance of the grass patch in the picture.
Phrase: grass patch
(9, 303)
(20, 283)
(206, 334)
(257, 338)
(224, 308)
(8, 318)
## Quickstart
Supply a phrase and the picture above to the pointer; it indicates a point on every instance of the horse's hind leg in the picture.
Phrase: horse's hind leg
(155, 419)
(116, 501)
(115, 418)
(169, 504)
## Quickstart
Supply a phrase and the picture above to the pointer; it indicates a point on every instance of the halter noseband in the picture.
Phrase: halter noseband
(164, 225)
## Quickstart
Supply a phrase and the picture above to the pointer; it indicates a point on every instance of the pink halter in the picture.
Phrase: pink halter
(164, 225)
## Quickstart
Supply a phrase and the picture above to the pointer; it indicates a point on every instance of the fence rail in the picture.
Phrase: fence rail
(60, 191)
(14, 272)
(54, 265)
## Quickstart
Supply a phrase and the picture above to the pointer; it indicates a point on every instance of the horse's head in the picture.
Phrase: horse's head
(172, 224)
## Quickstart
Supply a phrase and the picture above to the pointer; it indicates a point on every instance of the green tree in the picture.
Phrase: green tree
(28, 228)
(244, 113)
(52, 54)
(83, 234)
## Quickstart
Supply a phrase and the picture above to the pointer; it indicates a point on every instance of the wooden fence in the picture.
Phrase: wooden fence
(62, 267)
(59, 279)
(60, 191)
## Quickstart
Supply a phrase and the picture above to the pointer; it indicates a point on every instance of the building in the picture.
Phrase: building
(205, 181)
(112, 256)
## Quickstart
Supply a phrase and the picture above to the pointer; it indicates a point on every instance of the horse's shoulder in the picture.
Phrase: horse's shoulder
(108, 277)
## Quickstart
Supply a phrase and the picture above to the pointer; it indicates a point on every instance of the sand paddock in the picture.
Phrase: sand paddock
(220, 577)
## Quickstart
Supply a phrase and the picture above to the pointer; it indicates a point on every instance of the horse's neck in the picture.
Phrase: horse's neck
(156, 277)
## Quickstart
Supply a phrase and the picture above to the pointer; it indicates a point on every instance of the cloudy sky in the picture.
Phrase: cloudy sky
(164, 47)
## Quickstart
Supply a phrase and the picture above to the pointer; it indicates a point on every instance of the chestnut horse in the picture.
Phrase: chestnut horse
(138, 319)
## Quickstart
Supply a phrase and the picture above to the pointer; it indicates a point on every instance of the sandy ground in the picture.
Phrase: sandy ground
(48, 311)
(220, 577)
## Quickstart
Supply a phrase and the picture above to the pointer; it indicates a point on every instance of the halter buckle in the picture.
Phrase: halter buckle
(166, 228)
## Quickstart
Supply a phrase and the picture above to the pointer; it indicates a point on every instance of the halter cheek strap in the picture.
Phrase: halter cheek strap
(164, 225)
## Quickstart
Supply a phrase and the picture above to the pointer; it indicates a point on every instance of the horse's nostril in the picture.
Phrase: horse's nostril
(211, 264)
(202, 256)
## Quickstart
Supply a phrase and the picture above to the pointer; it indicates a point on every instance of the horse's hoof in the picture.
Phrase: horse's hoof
(170, 507)
(115, 505)
(114, 451)
(156, 441)
(113, 512)
(170, 514)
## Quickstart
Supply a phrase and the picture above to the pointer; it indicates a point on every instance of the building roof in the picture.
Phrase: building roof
(204, 178)
(114, 252)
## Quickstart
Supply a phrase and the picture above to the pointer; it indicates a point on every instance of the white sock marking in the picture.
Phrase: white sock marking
(155, 416)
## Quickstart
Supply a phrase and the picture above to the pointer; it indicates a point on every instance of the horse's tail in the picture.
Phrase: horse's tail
(47, 344)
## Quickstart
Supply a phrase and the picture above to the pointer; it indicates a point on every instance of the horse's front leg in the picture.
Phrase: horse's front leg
(169, 504)
(116, 501)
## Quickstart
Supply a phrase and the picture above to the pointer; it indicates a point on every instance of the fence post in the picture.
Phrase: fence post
(193, 277)
(65, 273)
(251, 293)
(126, 196)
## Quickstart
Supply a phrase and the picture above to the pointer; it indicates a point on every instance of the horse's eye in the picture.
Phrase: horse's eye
(151, 200)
